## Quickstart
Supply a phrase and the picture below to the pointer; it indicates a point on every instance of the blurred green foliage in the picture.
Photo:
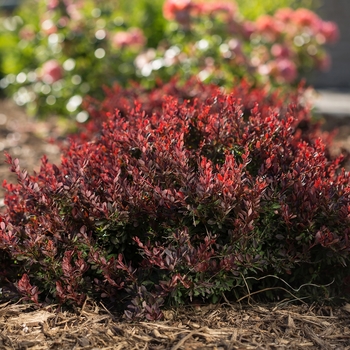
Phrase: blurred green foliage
(35, 34)
(252, 9)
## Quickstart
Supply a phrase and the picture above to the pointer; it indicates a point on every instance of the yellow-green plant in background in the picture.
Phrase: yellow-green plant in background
(252, 9)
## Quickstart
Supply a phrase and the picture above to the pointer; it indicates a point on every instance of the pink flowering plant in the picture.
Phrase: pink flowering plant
(214, 41)
(55, 52)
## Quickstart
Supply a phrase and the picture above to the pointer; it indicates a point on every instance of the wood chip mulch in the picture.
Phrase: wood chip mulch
(220, 327)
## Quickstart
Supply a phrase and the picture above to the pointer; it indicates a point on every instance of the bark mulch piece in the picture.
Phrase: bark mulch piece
(220, 327)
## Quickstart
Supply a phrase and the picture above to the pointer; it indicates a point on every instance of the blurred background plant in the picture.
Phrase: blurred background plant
(215, 42)
(55, 52)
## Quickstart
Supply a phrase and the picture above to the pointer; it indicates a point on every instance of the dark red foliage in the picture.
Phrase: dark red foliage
(170, 198)
(28, 291)
(126, 99)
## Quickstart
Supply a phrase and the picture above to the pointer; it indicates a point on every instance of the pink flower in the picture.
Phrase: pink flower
(283, 70)
(280, 51)
(51, 71)
(52, 4)
(73, 12)
(48, 27)
(212, 7)
(330, 31)
(284, 14)
(178, 10)
(287, 70)
(63, 21)
(235, 46)
(247, 29)
(27, 33)
(132, 38)
(306, 18)
(73, 6)
(268, 27)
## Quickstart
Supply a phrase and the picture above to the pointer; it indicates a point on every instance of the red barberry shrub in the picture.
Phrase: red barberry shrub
(150, 101)
(176, 198)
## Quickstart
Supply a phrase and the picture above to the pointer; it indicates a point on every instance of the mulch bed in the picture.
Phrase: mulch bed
(230, 326)
(226, 326)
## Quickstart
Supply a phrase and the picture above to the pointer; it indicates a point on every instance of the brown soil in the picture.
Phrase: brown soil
(24, 138)
(226, 326)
